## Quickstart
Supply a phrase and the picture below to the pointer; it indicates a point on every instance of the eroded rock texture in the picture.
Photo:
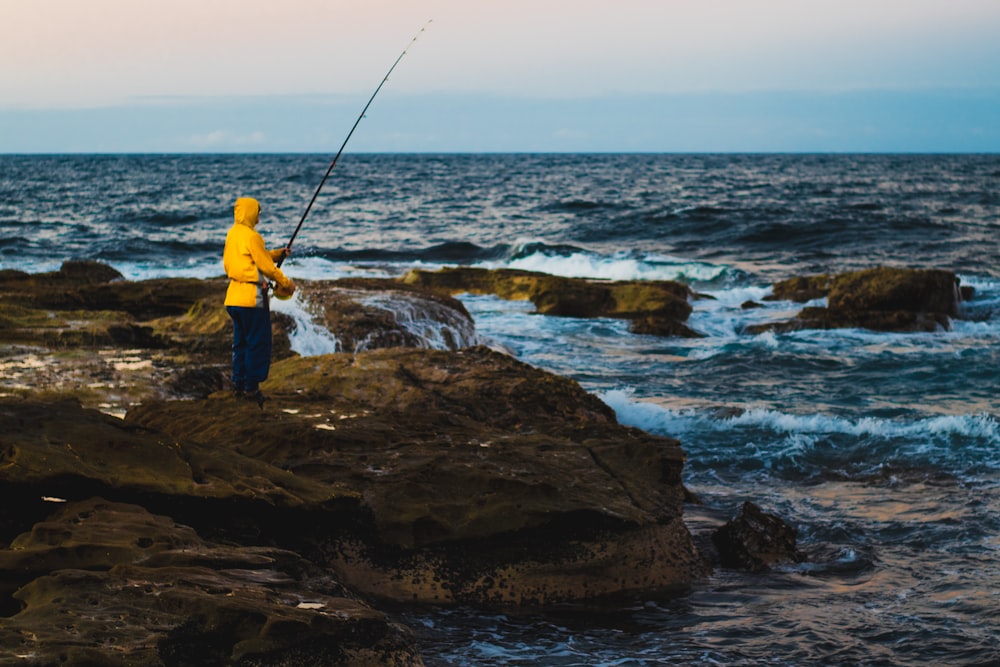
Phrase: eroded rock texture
(112, 584)
(881, 299)
(483, 479)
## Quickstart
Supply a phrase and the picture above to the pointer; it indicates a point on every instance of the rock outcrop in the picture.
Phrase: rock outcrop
(203, 528)
(251, 536)
(106, 583)
(178, 333)
(368, 314)
(881, 299)
(483, 480)
(657, 307)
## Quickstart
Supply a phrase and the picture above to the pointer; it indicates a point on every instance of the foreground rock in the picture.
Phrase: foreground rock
(207, 531)
(657, 307)
(402, 475)
(111, 584)
(483, 480)
(881, 299)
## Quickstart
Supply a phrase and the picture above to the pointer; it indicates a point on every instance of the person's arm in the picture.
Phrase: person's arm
(265, 264)
(280, 253)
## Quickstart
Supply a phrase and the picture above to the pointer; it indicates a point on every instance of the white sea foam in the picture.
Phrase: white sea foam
(309, 338)
(437, 326)
(616, 267)
(150, 271)
(308, 268)
(660, 419)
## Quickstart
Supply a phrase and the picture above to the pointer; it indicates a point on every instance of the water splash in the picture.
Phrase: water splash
(436, 325)
(308, 338)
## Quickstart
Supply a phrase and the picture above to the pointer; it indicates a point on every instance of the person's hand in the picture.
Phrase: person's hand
(286, 251)
(285, 292)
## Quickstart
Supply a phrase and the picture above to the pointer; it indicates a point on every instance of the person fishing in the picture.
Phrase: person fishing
(249, 266)
(246, 258)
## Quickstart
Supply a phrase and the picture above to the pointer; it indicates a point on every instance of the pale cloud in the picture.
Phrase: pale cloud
(232, 75)
(68, 53)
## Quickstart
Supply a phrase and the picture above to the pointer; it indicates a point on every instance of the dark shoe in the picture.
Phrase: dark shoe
(257, 396)
(239, 393)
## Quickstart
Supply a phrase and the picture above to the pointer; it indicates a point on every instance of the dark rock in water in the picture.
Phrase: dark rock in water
(886, 289)
(483, 480)
(800, 289)
(88, 272)
(658, 307)
(112, 584)
(663, 326)
(70, 275)
(755, 540)
(881, 299)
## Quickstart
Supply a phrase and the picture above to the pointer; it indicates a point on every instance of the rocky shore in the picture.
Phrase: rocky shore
(152, 518)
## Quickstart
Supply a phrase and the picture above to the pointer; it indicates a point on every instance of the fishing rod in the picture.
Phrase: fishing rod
(346, 139)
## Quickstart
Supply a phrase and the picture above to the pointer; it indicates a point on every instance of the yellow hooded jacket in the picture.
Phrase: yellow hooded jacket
(245, 257)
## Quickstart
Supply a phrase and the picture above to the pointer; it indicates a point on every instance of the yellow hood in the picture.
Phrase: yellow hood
(246, 211)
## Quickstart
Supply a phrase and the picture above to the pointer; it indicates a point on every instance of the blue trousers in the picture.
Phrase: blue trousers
(251, 346)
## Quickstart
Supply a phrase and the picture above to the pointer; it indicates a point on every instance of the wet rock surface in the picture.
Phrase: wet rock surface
(755, 540)
(105, 583)
(657, 307)
(478, 475)
(881, 299)
(202, 528)
(367, 314)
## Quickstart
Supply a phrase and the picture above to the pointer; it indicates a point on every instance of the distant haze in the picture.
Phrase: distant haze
(634, 75)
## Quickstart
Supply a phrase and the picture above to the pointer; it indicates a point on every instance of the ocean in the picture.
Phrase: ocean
(882, 449)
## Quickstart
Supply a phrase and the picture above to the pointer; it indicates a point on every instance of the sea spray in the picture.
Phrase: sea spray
(618, 266)
(436, 326)
(308, 338)
(961, 443)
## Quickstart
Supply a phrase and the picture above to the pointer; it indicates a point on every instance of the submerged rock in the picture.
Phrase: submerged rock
(755, 540)
(881, 299)
(658, 307)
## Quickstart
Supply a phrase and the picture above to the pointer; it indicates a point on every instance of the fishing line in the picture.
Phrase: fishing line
(346, 139)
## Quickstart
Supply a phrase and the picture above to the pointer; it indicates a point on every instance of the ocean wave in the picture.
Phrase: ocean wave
(980, 283)
(169, 218)
(764, 444)
(660, 419)
(571, 262)
(446, 252)
(578, 205)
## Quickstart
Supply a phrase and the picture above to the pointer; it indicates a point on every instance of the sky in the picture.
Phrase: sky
(517, 75)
